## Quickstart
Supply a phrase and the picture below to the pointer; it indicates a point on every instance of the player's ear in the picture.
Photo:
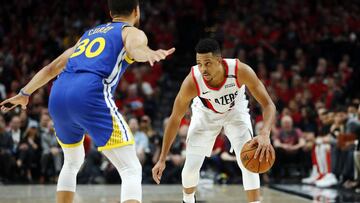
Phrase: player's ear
(219, 58)
(136, 11)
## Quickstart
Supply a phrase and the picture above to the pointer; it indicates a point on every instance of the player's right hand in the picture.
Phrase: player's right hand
(158, 55)
(14, 101)
(264, 147)
(158, 170)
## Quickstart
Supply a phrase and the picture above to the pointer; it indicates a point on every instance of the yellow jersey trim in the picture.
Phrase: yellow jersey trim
(127, 128)
(116, 145)
(116, 139)
(128, 59)
(70, 145)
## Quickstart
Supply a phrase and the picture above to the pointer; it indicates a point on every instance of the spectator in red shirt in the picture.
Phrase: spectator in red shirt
(134, 102)
(288, 142)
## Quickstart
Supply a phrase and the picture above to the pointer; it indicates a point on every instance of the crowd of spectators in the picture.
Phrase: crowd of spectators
(305, 52)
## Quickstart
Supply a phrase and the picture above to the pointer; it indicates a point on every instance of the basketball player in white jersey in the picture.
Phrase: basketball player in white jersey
(216, 87)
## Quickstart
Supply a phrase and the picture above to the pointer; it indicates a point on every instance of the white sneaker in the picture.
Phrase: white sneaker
(312, 178)
(327, 181)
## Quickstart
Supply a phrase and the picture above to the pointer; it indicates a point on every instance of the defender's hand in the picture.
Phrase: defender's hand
(12, 102)
(158, 55)
(264, 147)
(158, 170)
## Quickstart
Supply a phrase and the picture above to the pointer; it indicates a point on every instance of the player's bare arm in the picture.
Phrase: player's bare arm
(136, 45)
(41, 78)
(247, 77)
(182, 101)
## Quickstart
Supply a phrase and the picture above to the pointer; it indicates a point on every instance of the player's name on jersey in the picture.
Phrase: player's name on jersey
(100, 30)
(226, 99)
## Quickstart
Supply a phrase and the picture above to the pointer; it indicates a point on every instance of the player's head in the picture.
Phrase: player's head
(286, 123)
(125, 8)
(208, 58)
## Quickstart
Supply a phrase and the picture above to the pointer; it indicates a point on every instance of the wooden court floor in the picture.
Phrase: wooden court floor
(151, 194)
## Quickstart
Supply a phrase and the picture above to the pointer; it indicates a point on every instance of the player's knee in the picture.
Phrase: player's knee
(131, 176)
(136, 170)
(191, 171)
(73, 163)
(133, 171)
(190, 177)
(251, 180)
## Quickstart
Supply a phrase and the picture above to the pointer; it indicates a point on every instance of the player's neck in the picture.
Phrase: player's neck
(123, 19)
(218, 80)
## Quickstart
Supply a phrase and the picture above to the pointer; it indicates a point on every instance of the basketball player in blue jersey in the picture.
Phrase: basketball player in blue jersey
(216, 88)
(81, 97)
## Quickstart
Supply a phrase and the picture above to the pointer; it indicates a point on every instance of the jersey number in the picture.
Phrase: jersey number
(85, 46)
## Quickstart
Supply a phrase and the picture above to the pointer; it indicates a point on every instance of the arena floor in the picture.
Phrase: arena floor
(151, 194)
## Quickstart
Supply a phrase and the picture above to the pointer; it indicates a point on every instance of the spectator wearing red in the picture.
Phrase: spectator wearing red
(288, 143)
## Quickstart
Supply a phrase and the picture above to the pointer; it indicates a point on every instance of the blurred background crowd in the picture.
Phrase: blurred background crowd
(305, 52)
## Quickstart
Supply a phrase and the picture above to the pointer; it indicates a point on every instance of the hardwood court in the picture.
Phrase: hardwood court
(151, 194)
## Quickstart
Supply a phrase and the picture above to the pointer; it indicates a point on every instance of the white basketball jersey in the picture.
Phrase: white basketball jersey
(224, 98)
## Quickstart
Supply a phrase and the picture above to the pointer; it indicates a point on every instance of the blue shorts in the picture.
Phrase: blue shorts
(82, 103)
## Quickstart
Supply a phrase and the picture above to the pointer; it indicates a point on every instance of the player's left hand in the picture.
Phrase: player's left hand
(264, 148)
(14, 101)
(158, 170)
(158, 55)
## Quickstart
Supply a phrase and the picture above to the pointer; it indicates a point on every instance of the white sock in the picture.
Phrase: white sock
(255, 202)
(189, 198)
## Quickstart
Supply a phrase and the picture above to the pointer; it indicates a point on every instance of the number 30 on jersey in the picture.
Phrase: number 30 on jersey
(85, 46)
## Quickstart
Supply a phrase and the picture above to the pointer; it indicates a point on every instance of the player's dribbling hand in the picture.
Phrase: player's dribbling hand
(158, 55)
(264, 148)
(14, 101)
(158, 170)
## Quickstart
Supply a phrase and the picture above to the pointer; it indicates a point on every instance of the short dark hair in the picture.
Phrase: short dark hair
(208, 45)
(122, 7)
(340, 109)
(353, 104)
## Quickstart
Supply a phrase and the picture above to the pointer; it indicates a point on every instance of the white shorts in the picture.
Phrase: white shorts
(206, 125)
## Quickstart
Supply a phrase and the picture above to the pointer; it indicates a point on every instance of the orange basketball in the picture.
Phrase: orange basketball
(254, 165)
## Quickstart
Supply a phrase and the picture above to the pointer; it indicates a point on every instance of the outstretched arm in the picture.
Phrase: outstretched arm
(186, 94)
(136, 45)
(248, 77)
(41, 78)
(48, 72)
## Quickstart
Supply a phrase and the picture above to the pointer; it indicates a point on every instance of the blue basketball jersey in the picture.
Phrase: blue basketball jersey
(101, 51)
(81, 99)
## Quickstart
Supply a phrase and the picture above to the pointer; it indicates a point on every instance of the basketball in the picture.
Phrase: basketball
(254, 165)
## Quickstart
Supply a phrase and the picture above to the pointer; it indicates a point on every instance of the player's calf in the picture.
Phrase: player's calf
(130, 170)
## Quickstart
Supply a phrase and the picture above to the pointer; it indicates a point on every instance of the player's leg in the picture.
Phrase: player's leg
(117, 144)
(74, 154)
(119, 148)
(70, 137)
(113, 136)
(202, 133)
(190, 176)
(238, 136)
(129, 167)
(66, 186)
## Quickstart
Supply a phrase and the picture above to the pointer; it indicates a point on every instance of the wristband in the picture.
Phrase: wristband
(128, 59)
(24, 94)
